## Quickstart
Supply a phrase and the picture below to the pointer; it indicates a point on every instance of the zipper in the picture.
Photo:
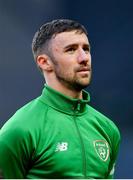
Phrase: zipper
(81, 141)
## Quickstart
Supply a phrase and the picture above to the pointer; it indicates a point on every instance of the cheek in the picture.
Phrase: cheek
(67, 71)
(66, 67)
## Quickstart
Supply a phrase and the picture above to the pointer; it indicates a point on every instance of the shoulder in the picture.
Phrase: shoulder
(23, 127)
(26, 118)
(33, 107)
(105, 123)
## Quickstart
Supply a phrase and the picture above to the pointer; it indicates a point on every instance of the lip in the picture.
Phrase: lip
(84, 69)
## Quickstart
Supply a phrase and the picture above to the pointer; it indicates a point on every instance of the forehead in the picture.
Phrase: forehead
(65, 38)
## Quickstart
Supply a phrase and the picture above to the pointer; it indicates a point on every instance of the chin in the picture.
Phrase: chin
(80, 86)
(84, 83)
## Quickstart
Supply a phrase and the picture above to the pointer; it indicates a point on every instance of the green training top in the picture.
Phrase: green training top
(55, 136)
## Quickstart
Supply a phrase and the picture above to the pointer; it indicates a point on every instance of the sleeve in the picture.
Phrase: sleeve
(14, 153)
(115, 134)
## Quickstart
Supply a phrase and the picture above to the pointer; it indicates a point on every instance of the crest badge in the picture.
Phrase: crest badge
(102, 149)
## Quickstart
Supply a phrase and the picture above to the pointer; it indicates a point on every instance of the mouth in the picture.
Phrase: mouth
(84, 69)
(84, 72)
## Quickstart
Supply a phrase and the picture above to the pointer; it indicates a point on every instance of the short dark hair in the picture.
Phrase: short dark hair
(48, 30)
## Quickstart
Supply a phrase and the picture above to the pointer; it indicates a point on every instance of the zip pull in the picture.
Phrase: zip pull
(78, 106)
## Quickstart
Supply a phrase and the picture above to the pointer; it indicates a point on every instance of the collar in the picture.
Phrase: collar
(64, 103)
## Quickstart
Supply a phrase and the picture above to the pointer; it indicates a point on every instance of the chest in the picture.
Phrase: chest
(72, 147)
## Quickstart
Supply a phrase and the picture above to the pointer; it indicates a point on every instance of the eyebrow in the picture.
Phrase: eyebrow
(75, 45)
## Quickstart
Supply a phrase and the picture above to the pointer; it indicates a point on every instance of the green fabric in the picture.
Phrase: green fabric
(55, 136)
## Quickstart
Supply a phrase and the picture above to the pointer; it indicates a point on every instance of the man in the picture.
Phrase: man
(58, 135)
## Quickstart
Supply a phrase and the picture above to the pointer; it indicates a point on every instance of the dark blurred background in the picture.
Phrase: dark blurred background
(110, 28)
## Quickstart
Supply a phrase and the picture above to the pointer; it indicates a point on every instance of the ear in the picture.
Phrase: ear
(44, 62)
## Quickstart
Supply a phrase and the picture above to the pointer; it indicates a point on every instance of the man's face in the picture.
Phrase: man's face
(71, 59)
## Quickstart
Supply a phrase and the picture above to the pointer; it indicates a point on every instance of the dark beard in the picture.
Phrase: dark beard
(73, 85)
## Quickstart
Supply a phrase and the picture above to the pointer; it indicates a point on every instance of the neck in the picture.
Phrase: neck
(65, 90)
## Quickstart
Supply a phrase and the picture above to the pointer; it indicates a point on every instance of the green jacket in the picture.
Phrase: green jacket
(55, 136)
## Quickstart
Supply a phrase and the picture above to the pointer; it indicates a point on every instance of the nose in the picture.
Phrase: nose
(83, 56)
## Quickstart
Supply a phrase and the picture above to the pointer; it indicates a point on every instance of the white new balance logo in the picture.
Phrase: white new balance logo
(61, 146)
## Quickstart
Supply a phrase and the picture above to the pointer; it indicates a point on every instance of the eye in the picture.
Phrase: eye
(86, 49)
(71, 50)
